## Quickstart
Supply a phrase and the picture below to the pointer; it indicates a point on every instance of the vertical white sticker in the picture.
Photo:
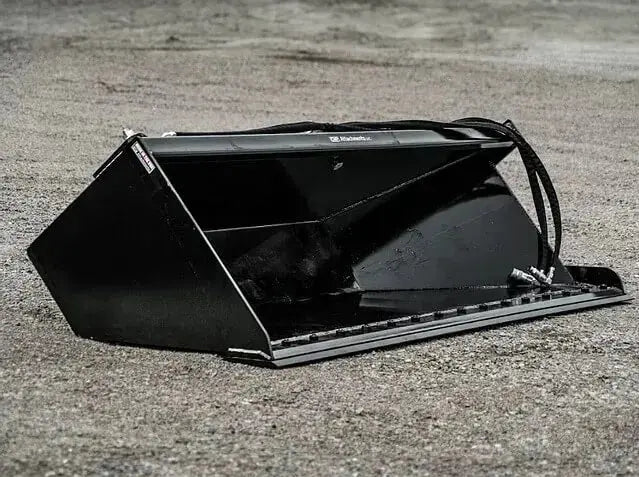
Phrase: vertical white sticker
(143, 157)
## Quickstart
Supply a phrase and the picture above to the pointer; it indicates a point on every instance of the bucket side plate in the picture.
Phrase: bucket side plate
(126, 263)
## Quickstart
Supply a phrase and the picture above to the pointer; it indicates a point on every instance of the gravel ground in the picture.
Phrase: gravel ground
(554, 396)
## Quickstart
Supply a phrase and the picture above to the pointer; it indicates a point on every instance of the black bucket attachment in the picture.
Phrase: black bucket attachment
(283, 248)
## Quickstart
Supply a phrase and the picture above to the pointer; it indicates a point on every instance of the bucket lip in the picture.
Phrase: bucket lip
(453, 321)
(470, 132)
(233, 144)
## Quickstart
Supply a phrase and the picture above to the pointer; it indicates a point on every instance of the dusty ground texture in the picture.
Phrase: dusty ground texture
(555, 396)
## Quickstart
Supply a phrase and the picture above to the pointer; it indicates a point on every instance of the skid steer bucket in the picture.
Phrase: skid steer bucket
(280, 248)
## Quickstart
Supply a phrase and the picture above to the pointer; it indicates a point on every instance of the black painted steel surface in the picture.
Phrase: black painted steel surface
(279, 249)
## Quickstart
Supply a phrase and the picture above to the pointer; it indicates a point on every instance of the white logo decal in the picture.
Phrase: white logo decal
(143, 157)
(349, 138)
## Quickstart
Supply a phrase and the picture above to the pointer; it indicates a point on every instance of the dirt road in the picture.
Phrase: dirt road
(556, 396)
